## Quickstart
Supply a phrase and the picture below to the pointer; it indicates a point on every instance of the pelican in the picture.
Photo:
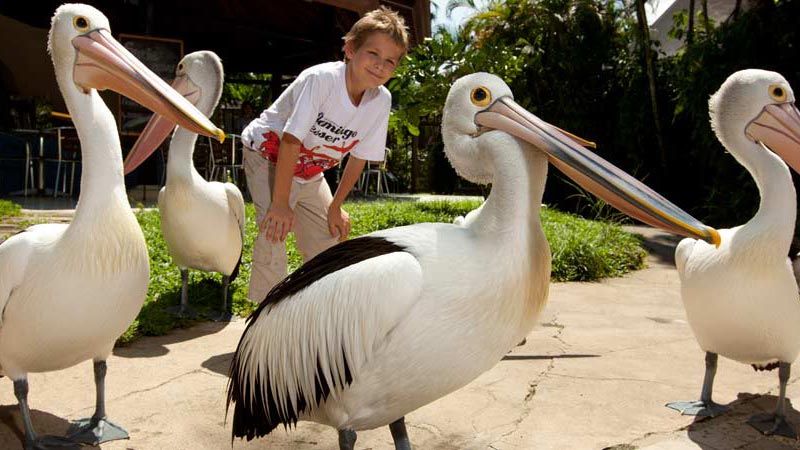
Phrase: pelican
(68, 291)
(202, 222)
(378, 326)
(742, 299)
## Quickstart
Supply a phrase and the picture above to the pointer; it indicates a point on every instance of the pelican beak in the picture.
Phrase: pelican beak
(778, 127)
(103, 63)
(159, 127)
(592, 172)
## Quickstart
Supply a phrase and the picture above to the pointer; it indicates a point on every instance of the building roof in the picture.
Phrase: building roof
(661, 23)
(262, 36)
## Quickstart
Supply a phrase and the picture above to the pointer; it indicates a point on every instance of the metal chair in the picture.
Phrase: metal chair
(380, 172)
(68, 148)
(225, 158)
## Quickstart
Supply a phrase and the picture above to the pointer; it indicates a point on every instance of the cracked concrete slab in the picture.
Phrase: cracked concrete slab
(595, 374)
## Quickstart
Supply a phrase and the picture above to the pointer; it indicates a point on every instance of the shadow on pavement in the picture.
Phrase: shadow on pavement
(151, 347)
(732, 431)
(12, 431)
(659, 244)
(219, 363)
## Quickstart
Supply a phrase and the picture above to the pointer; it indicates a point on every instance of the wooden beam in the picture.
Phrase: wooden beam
(359, 6)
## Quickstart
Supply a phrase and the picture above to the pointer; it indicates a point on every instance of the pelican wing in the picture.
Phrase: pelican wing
(15, 255)
(315, 330)
(683, 252)
(236, 205)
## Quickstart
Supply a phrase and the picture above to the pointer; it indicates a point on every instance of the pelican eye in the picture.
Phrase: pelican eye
(777, 93)
(480, 96)
(80, 23)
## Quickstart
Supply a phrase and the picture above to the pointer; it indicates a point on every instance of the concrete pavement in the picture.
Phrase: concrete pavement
(595, 374)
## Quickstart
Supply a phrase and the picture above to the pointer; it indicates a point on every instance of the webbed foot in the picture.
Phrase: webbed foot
(699, 408)
(95, 432)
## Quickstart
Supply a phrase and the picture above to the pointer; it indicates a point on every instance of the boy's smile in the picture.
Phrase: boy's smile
(371, 65)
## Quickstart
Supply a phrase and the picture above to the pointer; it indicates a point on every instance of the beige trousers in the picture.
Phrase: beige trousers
(309, 201)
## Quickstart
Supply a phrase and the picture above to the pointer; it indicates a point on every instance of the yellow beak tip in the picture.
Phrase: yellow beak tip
(715, 239)
(220, 136)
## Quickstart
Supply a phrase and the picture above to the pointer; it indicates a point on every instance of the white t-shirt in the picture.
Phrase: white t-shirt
(316, 109)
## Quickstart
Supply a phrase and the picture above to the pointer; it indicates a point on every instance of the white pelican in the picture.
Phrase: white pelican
(742, 299)
(378, 326)
(203, 222)
(68, 291)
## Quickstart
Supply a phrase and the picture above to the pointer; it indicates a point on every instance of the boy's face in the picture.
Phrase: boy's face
(375, 61)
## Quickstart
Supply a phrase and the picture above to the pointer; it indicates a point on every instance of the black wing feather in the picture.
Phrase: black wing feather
(260, 416)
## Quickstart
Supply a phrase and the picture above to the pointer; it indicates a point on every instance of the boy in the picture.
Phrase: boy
(330, 110)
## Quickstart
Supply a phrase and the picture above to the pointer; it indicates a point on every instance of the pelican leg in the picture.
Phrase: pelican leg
(705, 406)
(96, 429)
(224, 314)
(184, 310)
(347, 439)
(398, 429)
(32, 441)
(776, 423)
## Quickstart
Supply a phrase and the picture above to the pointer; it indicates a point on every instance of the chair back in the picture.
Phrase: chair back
(225, 159)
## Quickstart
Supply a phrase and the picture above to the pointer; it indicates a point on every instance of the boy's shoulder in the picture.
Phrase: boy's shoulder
(327, 70)
(384, 95)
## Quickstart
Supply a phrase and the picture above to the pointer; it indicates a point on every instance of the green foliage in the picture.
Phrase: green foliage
(256, 91)
(764, 37)
(579, 65)
(419, 88)
(9, 209)
(582, 250)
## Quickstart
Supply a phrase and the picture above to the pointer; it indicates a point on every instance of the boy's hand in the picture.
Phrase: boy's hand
(338, 222)
(277, 223)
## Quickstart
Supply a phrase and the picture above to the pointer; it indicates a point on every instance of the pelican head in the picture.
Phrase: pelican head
(469, 96)
(86, 56)
(760, 104)
(199, 78)
(481, 102)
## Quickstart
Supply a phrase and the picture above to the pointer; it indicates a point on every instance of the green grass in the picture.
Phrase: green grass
(586, 250)
(582, 250)
(9, 209)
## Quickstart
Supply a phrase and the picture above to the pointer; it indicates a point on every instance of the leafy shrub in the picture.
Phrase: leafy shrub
(9, 209)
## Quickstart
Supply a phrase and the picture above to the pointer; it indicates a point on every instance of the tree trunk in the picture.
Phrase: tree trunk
(690, 30)
(736, 10)
(706, 22)
(414, 164)
(651, 76)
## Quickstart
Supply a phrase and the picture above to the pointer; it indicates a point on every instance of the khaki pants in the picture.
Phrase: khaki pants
(309, 201)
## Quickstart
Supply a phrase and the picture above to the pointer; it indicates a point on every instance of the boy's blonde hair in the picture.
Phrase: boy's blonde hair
(381, 20)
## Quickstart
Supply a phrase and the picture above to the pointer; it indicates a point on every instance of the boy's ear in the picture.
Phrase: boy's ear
(349, 50)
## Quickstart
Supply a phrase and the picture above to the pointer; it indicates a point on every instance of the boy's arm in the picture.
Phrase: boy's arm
(338, 219)
(280, 218)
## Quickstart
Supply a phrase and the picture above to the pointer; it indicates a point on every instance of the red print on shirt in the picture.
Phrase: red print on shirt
(311, 161)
